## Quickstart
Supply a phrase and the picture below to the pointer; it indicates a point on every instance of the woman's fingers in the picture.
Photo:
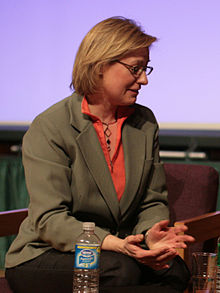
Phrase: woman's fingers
(134, 239)
(160, 226)
(158, 259)
(158, 254)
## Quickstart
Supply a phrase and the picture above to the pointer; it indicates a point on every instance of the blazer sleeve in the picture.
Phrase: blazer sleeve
(48, 176)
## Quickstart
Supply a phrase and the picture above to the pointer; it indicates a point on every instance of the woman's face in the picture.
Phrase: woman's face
(119, 86)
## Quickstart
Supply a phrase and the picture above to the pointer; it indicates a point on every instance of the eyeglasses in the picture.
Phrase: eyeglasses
(137, 70)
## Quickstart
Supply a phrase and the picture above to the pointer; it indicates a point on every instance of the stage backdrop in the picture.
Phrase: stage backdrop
(39, 40)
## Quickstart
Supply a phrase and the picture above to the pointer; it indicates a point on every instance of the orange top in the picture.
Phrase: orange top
(116, 165)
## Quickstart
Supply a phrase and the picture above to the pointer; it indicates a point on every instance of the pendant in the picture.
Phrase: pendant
(108, 144)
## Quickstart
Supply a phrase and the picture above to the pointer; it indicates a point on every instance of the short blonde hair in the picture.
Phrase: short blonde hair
(110, 39)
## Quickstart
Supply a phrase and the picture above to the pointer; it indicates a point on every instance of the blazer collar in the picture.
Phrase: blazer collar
(77, 119)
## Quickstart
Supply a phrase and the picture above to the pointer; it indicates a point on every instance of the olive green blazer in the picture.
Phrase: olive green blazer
(69, 182)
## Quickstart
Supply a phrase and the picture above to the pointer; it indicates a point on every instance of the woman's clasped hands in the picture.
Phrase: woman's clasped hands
(162, 241)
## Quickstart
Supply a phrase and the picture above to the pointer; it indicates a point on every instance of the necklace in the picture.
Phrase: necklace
(108, 133)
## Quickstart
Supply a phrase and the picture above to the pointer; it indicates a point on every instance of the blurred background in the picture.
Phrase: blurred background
(39, 40)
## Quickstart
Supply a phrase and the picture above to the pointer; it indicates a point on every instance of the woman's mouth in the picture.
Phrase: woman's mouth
(134, 91)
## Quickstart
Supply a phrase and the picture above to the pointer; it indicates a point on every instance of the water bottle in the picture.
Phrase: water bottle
(86, 265)
(218, 268)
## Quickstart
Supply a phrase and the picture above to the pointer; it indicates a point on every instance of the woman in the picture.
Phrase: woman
(94, 156)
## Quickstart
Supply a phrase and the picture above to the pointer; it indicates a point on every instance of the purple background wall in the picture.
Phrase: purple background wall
(39, 40)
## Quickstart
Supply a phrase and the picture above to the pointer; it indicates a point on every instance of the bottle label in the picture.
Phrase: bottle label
(87, 256)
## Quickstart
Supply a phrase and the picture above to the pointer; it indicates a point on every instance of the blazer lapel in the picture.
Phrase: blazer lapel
(134, 142)
(92, 152)
(95, 160)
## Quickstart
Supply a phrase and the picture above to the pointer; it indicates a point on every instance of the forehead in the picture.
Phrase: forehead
(139, 53)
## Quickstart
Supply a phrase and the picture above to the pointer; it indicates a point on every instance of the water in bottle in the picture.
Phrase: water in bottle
(218, 268)
(86, 265)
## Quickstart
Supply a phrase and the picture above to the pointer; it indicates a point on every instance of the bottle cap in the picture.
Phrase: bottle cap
(88, 226)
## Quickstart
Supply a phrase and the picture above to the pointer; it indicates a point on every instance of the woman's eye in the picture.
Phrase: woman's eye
(136, 69)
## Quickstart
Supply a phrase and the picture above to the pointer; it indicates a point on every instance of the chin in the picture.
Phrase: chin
(129, 103)
(133, 100)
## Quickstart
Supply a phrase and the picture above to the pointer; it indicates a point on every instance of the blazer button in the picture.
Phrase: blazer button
(113, 231)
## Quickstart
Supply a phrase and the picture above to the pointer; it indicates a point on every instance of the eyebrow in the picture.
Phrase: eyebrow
(145, 64)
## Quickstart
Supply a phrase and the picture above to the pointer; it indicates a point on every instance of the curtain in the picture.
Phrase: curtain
(13, 193)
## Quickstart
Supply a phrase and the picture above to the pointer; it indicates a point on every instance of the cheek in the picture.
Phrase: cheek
(116, 87)
(116, 81)
(113, 82)
(113, 76)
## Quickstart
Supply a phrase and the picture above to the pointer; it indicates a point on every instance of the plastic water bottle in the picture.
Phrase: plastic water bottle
(86, 265)
(218, 268)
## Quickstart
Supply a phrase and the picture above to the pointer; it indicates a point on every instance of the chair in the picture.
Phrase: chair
(193, 193)
(9, 225)
(192, 196)
(10, 221)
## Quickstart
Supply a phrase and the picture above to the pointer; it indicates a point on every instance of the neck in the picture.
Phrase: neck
(102, 109)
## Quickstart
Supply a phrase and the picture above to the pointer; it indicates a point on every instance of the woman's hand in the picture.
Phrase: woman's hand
(155, 258)
(161, 235)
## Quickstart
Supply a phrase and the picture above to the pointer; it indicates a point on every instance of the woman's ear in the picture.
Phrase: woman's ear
(101, 70)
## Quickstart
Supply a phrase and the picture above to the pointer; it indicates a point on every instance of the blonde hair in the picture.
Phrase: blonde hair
(110, 39)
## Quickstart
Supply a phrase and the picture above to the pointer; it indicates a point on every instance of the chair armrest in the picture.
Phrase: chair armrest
(202, 228)
(10, 221)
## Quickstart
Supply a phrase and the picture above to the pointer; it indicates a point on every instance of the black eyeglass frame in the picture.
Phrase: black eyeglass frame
(134, 69)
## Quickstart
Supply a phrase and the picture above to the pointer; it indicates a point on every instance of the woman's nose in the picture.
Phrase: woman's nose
(142, 79)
